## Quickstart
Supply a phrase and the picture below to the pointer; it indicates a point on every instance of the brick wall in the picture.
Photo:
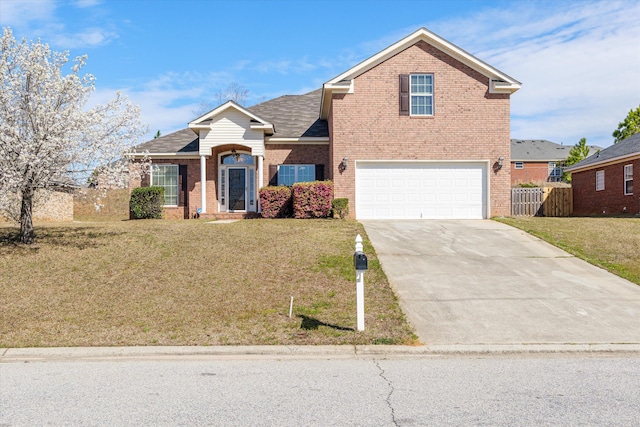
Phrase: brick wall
(536, 172)
(47, 206)
(469, 123)
(281, 154)
(611, 200)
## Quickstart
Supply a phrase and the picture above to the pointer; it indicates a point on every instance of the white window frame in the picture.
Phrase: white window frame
(296, 168)
(421, 94)
(628, 177)
(600, 180)
(177, 184)
(518, 165)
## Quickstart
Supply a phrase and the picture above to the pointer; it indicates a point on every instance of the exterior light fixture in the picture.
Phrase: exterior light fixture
(500, 160)
(345, 163)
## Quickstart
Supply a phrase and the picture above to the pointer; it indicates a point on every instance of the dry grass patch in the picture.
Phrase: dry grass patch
(191, 283)
(611, 243)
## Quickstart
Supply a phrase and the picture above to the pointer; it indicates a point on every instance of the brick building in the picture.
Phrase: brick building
(419, 130)
(603, 183)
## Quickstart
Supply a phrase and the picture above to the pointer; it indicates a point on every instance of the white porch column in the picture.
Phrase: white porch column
(203, 184)
(260, 179)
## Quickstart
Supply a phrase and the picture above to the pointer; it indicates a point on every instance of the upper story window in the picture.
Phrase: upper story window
(416, 94)
(166, 176)
(628, 179)
(422, 94)
(518, 165)
(599, 180)
(290, 174)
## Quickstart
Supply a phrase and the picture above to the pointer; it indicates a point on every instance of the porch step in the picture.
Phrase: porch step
(231, 215)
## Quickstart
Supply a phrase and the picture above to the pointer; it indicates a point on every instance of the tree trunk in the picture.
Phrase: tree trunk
(27, 235)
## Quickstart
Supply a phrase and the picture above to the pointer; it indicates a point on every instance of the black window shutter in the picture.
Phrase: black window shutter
(273, 174)
(319, 172)
(404, 94)
(183, 194)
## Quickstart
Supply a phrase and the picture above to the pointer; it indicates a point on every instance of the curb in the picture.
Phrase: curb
(12, 355)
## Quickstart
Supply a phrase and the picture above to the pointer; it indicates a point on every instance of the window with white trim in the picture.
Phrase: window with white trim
(599, 180)
(628, 180)
(518, 165)
(290, 174)
(421, 94)
(166, 176)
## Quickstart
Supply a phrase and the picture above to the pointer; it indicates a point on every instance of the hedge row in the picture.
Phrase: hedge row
(302, 200)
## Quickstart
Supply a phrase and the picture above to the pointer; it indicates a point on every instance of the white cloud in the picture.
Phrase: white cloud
(90, 37)
(41, 19)
(21, 13)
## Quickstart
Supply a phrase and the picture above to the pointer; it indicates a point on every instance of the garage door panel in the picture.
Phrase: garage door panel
(421, 190)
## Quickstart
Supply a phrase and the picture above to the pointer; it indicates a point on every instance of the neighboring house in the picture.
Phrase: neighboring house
(419, 130)
(603, 183)
(538, 160)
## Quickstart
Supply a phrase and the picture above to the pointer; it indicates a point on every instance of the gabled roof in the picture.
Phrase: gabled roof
(205, 120)
(623, 150)
(541, 150)
(294, 116)
(499, 82)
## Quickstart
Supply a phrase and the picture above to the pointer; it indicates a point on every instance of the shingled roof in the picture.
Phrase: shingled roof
(294, 116)
(183, 141)
(541, 150)
(626, 148)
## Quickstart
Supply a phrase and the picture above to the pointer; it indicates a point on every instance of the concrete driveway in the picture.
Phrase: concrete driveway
(482, 282)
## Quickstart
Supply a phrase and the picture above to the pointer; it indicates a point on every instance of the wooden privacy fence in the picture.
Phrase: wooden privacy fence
(547, 201)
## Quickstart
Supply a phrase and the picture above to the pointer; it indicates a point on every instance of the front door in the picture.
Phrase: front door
(237, 189)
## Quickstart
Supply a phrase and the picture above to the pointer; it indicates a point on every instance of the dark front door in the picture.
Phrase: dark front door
(237, 186)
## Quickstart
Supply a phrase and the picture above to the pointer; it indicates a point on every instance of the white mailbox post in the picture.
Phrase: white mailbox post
(361, 264)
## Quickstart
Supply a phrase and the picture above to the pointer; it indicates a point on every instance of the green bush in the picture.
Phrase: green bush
(528, 185)
(146, 203)
(340, 207)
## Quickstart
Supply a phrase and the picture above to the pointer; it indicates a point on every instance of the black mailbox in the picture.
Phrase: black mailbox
(360, 260)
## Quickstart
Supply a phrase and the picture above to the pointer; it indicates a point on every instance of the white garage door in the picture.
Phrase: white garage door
(415, 190)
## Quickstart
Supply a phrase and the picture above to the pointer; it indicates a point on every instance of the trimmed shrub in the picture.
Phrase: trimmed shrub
(276, 202)
(146, 203)
(312, 199)
(340, 207)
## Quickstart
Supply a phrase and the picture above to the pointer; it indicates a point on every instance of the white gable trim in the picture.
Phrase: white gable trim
(499, 82)
(202, 122)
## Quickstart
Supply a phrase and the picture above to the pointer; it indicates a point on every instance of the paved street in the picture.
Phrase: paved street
(482, 282)
(514, 390)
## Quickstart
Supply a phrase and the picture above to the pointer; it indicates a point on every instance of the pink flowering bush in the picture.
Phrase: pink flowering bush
(276, 202)
(312, 199)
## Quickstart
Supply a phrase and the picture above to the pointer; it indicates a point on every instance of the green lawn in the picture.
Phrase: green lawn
(191, 282)
(611, 243)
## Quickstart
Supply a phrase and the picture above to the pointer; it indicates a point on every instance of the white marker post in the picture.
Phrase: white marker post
(360, 284)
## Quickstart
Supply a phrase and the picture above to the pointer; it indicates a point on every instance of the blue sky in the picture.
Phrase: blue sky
(579, 62)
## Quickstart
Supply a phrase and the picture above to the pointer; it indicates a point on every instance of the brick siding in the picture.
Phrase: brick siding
(468, 123)
(536, 172)
(611, 200)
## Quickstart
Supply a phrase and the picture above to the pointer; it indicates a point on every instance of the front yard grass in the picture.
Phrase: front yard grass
(192, 283)
(611, 243)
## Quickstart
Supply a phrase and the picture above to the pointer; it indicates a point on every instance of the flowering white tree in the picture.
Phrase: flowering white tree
(48, 138)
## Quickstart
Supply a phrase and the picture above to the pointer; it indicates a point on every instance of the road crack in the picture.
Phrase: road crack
(391, 390)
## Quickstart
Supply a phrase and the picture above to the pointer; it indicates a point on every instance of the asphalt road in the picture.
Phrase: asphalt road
(462, 390)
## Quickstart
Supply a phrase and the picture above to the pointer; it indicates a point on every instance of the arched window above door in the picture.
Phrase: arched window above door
(237, 159)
